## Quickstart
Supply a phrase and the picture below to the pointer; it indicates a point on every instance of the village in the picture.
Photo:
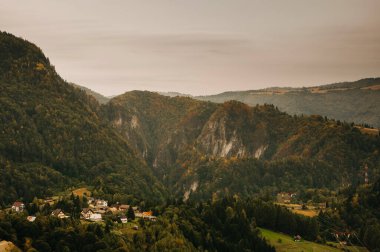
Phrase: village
(96, 210)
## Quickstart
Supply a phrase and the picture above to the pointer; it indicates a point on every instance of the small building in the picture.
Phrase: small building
(149, 213)
(149, 216)
(95, 217)
(86, 213)
(135, 227)
(49, 201)
(123, 219)
(101, 203)
(138, 214)
(18, 206)
(114, 208)
(124, 208)
(31, 218)
(59, 214)
(297, 238)
(285, 197)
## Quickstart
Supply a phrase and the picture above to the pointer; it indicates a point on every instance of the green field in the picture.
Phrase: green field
(287, 244)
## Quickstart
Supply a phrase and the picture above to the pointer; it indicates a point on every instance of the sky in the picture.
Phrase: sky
(201, 47)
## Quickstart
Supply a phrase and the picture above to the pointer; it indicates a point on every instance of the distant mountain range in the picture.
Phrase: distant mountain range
(357, 101)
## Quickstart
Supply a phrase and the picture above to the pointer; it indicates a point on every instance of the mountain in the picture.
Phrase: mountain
(100, 98)
(143, 144)
(174, 94)
(52, 134)
(357, 101)
(201, 148)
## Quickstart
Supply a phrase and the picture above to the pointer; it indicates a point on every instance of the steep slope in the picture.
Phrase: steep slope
(148, 120)
(100, 98)
(52, 136)
(235, 148)
(357, 101)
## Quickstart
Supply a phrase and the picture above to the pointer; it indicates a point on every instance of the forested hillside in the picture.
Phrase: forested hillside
(209, 172)
(53, 137)
(201, 148)
(357, 101)
(195, 148)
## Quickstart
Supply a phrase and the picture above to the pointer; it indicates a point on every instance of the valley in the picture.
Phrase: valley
(209, 174)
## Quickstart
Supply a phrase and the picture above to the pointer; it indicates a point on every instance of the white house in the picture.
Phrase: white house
(101, 203)
(123, 219)
(95, 217)
(31, 218)
(18, 206)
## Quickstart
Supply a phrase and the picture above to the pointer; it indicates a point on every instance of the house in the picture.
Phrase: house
(49, 201)
(135, 227)
(18, 206)
(124, 208)
(149, 216)
(59, 214)
(123, 219)
(138, 214)
(95, 217)
(114, 208)
(297, 238)
(149, 213)
(31, 218)
(101, 203)
(285, 197)
(86, 213)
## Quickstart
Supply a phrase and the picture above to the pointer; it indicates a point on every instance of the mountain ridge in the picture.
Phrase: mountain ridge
(357, 101)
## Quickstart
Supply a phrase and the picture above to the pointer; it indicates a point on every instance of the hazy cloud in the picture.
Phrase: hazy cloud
(201, 47)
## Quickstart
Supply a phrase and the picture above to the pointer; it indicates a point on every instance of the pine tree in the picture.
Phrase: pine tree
(130, 213)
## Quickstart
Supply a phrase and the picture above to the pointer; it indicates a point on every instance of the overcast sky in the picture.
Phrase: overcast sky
(201, 46)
